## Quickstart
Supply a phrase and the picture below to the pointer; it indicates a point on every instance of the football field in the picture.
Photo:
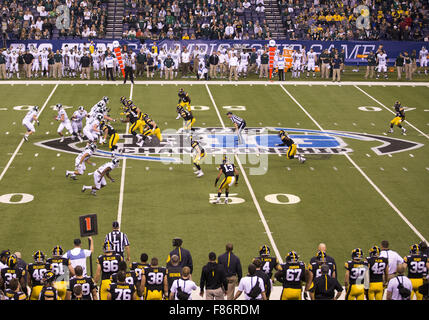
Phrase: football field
(359, 185)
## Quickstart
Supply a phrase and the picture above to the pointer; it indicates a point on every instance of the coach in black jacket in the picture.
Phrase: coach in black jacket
(213, 62)
(213, 279)
(185, 258)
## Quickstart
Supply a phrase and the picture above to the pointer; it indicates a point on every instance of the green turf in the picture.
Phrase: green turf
(338, 206)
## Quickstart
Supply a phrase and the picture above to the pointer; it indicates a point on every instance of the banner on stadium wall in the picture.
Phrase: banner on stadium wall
(354, 50)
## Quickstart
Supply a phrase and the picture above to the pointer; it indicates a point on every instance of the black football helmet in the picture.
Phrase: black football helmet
(357, 254)
(57, 251)
(374, 251)
(415, 249)
(12, 261)
(39, 256)
(292, 257)
(264, 250)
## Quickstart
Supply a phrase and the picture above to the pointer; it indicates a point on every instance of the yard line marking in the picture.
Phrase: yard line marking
(252, 193)
(124, 166)
(376, 188)
(22, 140)
(391, 111)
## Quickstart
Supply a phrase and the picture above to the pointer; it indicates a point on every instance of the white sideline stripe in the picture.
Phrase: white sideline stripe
(224, 82)
(252, 193)
(391, 111)
(363, 174)
(22, 140)
(124, 166)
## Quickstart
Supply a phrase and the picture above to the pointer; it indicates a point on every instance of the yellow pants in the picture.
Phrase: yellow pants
(198, 157)
(157, 133)
(185, 105)
(291, 294)
(153, 295)
(416, 284)
(104, 289)
(114, 138)
(189, 123)
(375, 291)
(227, 182)
(139, 124)
(291, 152)
(61, 287)
(396, 121)
(35, 292)
(355, 292)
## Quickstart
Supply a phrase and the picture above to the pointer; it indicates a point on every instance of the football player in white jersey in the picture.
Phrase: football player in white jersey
(100, 174)
(175, 55)
(44, 57)
(423, 58)
(311, 62)
(296, 64)
(161, 57)
(81, 159)
(72, 63)
(92, 128)
(95, 63)
(381, 63)
(6, 54)
(13, 67)
(304, 59)
(77, 119)
(28, 121)
(244, 62)
(64, 121)
(35, 66)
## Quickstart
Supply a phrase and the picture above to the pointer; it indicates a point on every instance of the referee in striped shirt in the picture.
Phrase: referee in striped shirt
(119, 240)
(239, 125)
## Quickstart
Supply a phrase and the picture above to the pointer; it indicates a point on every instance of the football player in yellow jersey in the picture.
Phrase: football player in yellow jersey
(57, 265)
(287, 141)
(378, 269)
(108, 130)
(151, 127)
(291, 275)
(184, 99)
(107, 264)
(399, 118)
(229, 170)
(12, 271)
(154, 281)
(199, 154)
(36, 271)
(418, 266)
(354, 277)
(187, 116)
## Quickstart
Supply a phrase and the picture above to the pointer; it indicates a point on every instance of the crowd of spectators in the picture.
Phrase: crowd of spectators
(220, 19)
(339, 19)
(205, 19)
(37, 19)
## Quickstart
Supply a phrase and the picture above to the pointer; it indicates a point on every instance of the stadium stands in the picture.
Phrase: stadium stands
(209, 19)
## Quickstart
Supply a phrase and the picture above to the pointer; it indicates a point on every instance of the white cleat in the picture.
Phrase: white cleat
(80, 138)
(140, 143)
(226, 200)
(83, 189)
(62, 139)
(390, 130)
(200, 174)
(25, 138)
(403, 131)
(67, 174)
(217, 201)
